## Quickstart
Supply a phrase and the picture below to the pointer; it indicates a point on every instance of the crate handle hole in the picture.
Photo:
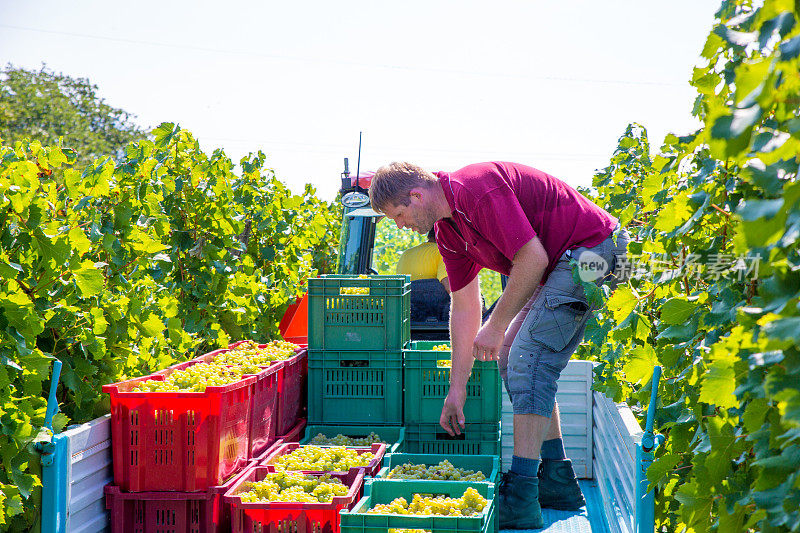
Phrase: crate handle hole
(354, 363)
(447, 436)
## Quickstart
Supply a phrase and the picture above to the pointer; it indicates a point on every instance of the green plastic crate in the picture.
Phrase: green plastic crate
(380, 320)
(393, 436)
(427, 383)
(475, 439)
(376, 491)
(488, 464)
(355, 387)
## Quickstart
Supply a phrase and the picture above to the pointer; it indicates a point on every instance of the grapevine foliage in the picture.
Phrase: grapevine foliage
(124, 267)
(727, 337)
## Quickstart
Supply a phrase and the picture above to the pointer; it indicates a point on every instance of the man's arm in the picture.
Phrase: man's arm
(465, 320)
(528, 267)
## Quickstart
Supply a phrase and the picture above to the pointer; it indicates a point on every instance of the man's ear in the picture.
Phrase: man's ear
(417, 193)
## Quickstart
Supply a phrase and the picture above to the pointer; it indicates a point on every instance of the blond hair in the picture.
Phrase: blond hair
(392, 184)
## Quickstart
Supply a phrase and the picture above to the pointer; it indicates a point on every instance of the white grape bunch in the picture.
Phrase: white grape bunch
(249, 353)
(330, 459)
(342, 440)
(471, 503)
(355, 290)
(444, 471)
(193, 379)
(226, 368)
(294, 487)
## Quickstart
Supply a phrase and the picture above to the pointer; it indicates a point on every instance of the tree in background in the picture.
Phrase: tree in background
(43, 106)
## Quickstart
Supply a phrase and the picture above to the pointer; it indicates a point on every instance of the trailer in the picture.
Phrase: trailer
(609, 450)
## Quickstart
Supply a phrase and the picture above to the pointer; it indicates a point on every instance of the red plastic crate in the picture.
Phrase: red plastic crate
(264, 409)
(178, 441)
(296, 517)
(264, 402)
(296, 433)
(170, 512)
(378, 450)
(292, 391)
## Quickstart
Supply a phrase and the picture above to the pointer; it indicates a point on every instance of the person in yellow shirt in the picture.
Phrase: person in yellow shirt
(424, 262)
(430, 288)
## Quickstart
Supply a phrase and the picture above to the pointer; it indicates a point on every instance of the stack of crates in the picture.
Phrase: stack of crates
(357, 330)
(367, 376)
(264, 516)
(382, 490)
(175, 454)
(426, 374)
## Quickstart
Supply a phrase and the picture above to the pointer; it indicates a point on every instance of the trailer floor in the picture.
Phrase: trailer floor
(589, 519)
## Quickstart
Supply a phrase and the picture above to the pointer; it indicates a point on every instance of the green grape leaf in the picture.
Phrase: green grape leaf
(736, 38)
(164, 133)
(79, 241)
(754, 414)
(662, 466)
(784, 329)
(89, 278)
(718, 385)
(99, 323)
(677, 310)
(749, 77)
(152, 326)
(622, 302)
(674, 213)
(52, 247)
(640, 364)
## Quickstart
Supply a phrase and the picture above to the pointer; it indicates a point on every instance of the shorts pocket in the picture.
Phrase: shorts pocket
(560, 318)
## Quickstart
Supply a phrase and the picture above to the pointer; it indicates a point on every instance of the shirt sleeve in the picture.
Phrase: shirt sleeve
(402, 266)
(460, 269)
(441, 271)
(501, 216)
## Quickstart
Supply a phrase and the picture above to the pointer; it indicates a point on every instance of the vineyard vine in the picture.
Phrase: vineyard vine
(124, 267)
(714, 295)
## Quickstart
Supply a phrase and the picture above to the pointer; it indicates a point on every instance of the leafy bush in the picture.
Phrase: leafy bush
(120, 269)
(724, 325)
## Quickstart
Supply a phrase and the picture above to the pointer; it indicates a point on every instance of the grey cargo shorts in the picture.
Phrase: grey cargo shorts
(546, 332)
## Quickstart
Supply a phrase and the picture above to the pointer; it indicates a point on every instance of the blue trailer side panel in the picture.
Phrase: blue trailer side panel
(55, 463)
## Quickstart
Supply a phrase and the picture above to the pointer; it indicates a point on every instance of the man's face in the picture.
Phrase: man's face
(416, 215)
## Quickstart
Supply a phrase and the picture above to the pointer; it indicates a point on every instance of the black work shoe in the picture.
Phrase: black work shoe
(558, 487)
(518, 502)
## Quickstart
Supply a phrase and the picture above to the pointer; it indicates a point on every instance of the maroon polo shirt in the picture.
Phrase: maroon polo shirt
(498, 207)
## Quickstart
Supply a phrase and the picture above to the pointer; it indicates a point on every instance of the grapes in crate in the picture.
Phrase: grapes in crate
(342, 440)
(444, 471)
(352, 291)
(250, 355)
(333, 459)
(294, 487)
(226, 368)
(470, 504)
(193, 379)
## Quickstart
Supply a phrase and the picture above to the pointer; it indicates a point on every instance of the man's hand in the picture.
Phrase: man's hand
(488, 342)
(453, 410)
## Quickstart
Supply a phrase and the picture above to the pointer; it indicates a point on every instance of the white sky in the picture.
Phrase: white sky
(439, 83)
